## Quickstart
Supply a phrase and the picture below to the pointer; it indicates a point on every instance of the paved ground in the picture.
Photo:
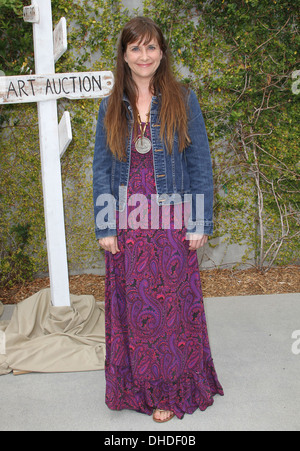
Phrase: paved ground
(252, 346)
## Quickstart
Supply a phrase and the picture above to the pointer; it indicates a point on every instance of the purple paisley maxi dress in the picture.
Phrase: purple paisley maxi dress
(157, 347)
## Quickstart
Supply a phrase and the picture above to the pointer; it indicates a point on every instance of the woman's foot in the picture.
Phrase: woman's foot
(162, 416)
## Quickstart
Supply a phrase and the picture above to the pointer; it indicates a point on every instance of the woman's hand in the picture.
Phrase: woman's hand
(197, 241)
(110, 244)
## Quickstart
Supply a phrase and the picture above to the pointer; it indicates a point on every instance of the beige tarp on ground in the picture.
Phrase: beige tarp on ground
(46, 339)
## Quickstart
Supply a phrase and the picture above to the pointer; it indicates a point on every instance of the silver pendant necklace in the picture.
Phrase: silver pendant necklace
(142, 144)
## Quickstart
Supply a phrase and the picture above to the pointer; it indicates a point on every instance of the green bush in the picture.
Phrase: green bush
(16, 265)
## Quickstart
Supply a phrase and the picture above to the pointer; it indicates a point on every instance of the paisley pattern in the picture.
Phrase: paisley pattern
(158, 353)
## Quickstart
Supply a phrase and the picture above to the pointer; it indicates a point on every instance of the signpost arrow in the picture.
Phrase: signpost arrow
(38, 88)
(65, 133)
(60, 39)
(31, 14)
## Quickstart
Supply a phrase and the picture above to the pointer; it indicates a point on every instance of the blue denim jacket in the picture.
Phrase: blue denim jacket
(176, 176)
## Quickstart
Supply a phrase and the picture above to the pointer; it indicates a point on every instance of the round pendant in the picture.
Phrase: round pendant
(143, 145)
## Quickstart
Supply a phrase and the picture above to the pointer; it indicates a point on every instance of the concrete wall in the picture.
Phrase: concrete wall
(133, 4)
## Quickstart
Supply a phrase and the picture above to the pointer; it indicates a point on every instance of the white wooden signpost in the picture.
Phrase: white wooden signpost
(38, 88)
(45, 87)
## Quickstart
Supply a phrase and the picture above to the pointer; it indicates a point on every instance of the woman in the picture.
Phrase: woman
(152, 149)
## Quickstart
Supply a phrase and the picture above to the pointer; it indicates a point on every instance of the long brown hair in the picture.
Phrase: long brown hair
(173, 105)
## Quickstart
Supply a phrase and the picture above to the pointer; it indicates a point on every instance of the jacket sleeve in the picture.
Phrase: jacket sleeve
(104, 201)
(199, 165)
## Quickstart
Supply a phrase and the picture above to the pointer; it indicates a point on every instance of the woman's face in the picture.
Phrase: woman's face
(143, 60)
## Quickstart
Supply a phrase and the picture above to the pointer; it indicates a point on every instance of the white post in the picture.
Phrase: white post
(50, 161)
